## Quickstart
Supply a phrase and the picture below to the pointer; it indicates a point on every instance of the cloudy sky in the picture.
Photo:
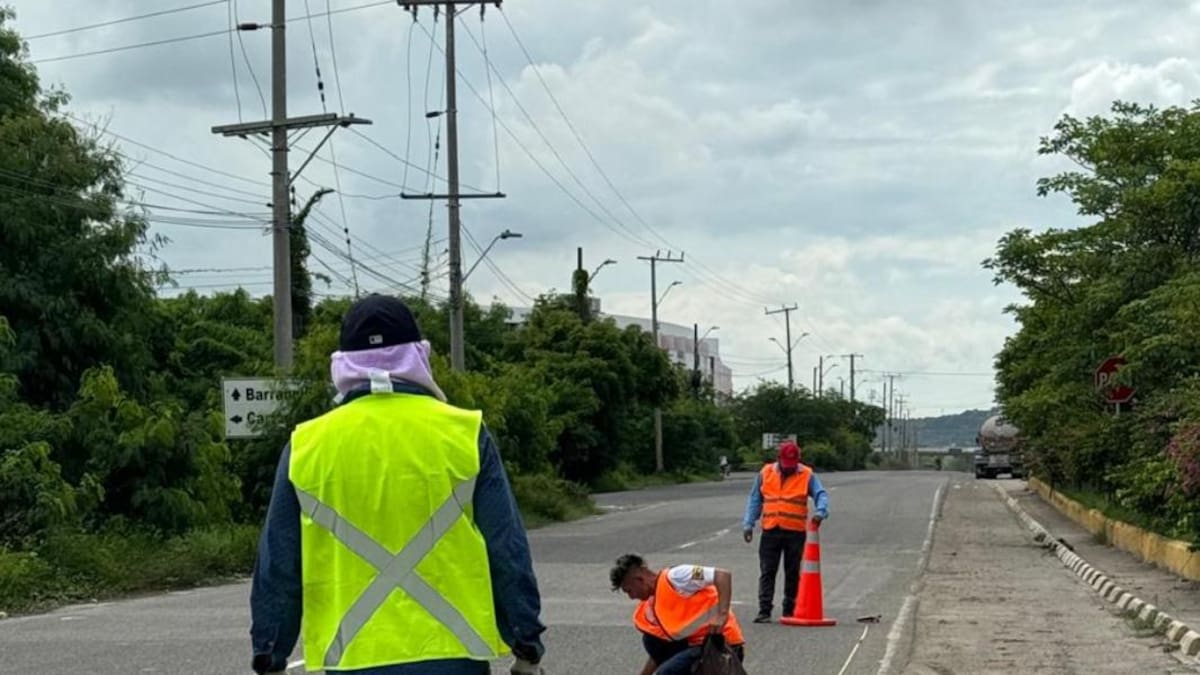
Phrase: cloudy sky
(857, 158)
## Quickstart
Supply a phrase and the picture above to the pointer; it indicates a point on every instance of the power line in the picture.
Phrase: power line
(200, 36)
(487, 68)
(408, 86)
(144, 146)
(164, 12)
(243, 200)
(185, 176)
(553, 150)
(715, 278)
(237, 91)
(249, 66)
(430, 173)
(337, 78)
(75, 202)
(140, 45)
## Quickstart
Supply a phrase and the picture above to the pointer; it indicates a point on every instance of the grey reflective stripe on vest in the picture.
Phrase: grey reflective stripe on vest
(698, 623)
(397, 572)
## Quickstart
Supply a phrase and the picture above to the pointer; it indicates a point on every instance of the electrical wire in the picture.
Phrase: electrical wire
(729, 286)
(237, 92)
(114, 22)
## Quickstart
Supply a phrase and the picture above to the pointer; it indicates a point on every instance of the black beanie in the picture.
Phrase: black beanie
(378, 321)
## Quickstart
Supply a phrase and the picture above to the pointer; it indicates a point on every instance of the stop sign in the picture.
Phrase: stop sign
(1104, 377)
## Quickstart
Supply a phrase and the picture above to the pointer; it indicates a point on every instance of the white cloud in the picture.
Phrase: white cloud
(857, 158)
(1172, 81)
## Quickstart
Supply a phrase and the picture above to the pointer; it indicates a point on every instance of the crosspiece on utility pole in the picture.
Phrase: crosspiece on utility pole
(453, 195)
(654, 260)
(787, 319)
(281, 179)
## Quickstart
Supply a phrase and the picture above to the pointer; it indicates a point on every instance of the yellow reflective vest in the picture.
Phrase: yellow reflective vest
(394, 569)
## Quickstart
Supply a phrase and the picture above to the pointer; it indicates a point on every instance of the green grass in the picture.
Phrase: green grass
(72, 566)
(1096, 500)
(545, 499)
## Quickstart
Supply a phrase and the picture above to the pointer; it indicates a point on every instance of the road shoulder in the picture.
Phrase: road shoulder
(994, 601)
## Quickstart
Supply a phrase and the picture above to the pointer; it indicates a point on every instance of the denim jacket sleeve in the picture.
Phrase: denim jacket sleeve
(275, 592)
(754, 504)
(514, 586)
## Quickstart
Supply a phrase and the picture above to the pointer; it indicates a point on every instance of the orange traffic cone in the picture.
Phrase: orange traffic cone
(810, 606)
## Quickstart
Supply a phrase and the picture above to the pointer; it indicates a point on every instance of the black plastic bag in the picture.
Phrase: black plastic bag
(717, 659)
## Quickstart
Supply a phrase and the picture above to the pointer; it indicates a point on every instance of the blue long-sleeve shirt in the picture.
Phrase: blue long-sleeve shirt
(275, 595)
(754, 504)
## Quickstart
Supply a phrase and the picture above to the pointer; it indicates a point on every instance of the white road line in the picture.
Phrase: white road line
(909, 609)
(846, 665)
(690, 544)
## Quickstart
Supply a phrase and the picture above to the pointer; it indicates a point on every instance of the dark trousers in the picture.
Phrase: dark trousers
(771, 546)
(676, 658)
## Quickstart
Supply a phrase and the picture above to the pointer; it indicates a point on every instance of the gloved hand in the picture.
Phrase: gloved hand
(817, 520)
(748, 535)
(522, 667)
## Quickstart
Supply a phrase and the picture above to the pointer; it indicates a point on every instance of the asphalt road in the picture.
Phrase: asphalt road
(871, 548)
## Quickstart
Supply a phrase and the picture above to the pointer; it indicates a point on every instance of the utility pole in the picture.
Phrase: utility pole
(654, 260)
(787, 321)
(815, 390)
(852, 357)
(821, 377)
(883, 432)
(891, 410)
(281, 179)
(453, 196)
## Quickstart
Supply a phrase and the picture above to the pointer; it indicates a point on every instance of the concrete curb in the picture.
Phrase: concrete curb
(1186, 637)
(1172, 555)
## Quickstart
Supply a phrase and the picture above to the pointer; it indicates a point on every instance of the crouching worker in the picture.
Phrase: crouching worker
(678, 609)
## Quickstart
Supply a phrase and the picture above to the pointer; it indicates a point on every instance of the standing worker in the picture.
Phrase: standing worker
(780, 495)
(392, 528)
(678, 609)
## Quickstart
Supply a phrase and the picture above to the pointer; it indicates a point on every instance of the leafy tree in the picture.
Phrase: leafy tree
(1122, 285)
(70, 284)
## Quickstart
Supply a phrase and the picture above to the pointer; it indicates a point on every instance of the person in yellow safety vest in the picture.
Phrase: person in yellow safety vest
(392, 528)
(678, 608)
(780, 495)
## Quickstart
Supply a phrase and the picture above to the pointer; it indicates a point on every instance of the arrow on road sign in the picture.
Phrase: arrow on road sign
(236, 419)
(236, 395)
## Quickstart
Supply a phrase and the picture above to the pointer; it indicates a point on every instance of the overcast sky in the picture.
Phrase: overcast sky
(857, 158)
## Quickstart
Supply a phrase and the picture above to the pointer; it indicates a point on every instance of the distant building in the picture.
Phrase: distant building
(676, 340)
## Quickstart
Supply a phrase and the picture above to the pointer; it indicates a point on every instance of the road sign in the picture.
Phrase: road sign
(772, 441)
(249, 399)
(1113, 393)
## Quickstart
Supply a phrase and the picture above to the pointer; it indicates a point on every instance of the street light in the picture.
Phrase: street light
(604, 264)
(709, 331)
(779, 344)
(664, 295)
(506, 234)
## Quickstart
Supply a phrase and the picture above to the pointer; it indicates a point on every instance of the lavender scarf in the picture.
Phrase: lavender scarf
(379, 367)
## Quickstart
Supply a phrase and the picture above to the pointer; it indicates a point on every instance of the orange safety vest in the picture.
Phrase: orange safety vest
(785, 503)
(668, 615)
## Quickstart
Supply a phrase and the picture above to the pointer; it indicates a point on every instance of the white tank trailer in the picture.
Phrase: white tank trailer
(999, 449)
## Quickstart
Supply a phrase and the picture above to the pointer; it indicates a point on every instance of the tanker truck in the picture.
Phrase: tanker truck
(999, 449)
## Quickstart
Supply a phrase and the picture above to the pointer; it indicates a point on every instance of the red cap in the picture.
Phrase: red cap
(789, 455)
